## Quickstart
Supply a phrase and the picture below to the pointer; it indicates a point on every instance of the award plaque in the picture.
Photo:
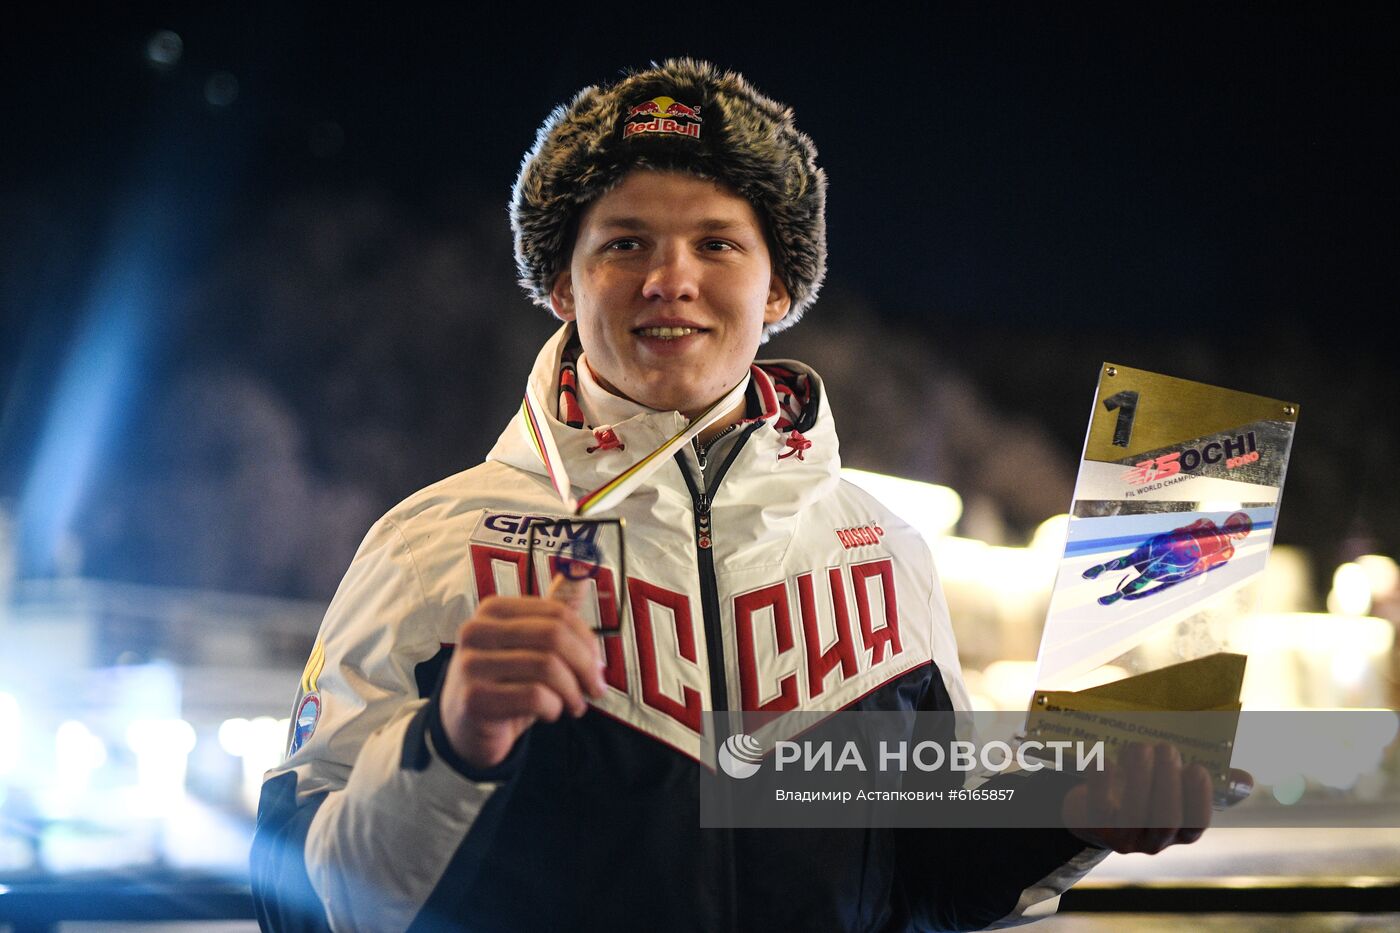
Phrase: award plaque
(1172, 522)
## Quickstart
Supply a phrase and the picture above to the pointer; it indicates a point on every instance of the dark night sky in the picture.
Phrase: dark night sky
(1205, 189)
(1218, 167)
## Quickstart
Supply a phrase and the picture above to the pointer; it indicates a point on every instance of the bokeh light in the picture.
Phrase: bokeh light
(164, 50)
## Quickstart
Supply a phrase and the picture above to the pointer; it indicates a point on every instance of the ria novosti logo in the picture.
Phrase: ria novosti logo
(740, 755)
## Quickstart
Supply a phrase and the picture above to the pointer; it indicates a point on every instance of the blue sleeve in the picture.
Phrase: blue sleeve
(282, 894)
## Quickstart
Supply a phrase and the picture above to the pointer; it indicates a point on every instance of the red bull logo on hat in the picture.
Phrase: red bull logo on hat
(663, 115)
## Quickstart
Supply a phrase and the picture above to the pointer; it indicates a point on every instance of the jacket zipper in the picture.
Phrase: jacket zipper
(701, 495)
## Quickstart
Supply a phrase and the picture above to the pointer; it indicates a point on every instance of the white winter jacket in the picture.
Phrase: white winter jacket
(764, 583)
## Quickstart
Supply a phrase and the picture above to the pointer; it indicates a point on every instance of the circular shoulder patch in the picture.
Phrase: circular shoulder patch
(308, 714)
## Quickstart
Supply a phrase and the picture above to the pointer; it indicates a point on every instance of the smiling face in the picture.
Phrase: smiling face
(670, 284)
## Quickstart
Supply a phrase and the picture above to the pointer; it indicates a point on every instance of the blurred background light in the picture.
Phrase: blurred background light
(1315, 633)
(930, 508)
(1332, 748)
(233, 735)
(1009, 684)
(162, 748)
(1289, 790)
(164, 49)
(77, 749)
(92, 395)
(262, 744)
(9, 734)
(221, 90)
(1314, 660)
(1381, 572)
(1351, 591)
(77, 754)
(1050, 536)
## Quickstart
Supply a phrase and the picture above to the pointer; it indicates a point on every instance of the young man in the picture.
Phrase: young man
(468, 755)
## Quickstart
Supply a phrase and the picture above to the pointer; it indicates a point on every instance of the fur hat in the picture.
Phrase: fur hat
(683, 115)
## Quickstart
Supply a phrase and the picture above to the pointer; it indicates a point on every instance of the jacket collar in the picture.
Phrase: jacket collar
(601, 407)
(792, 474)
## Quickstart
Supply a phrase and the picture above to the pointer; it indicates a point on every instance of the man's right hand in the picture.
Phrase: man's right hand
(517, 660)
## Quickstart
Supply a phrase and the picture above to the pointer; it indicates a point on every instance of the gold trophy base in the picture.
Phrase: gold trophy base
(1193, 705)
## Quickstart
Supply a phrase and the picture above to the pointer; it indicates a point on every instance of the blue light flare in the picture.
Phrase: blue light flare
(92, 393)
